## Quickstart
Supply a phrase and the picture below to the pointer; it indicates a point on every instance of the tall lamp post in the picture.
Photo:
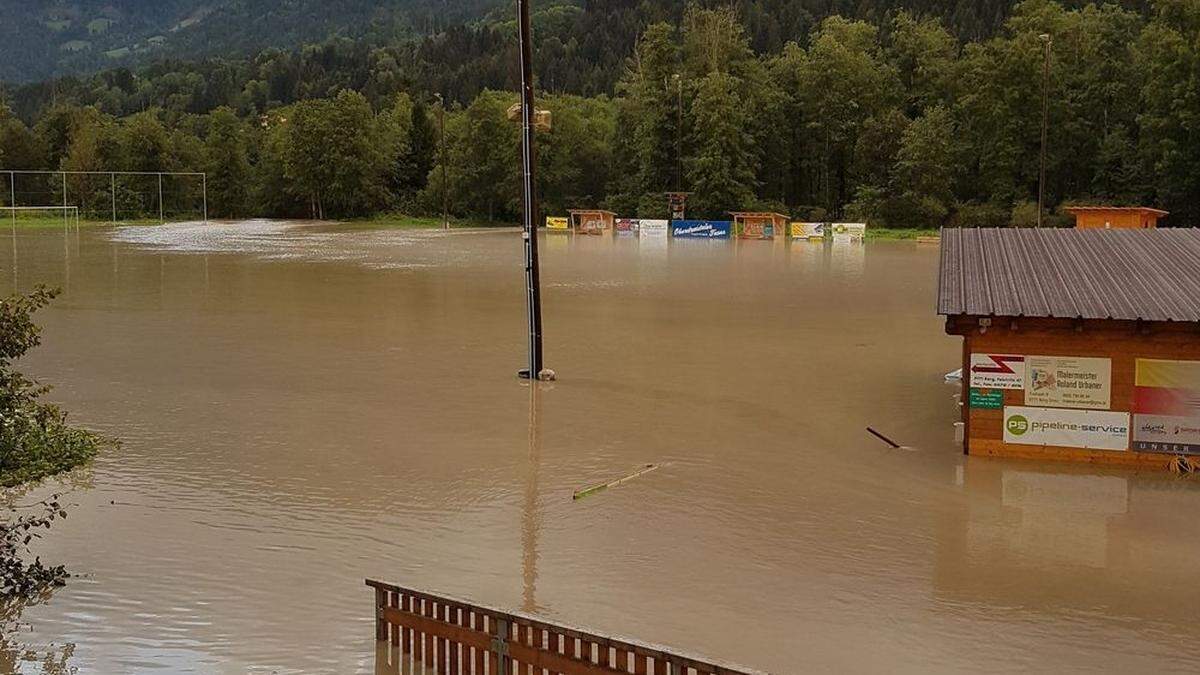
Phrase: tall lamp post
(1045, 38)
(442, 158)
(533, 290)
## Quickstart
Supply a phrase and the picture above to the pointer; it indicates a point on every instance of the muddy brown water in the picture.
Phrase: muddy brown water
(303, 407)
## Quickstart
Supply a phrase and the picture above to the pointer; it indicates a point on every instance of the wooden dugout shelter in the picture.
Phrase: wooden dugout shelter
(1116, 217)
(1079, 344)
(758, 225)
(592, 221)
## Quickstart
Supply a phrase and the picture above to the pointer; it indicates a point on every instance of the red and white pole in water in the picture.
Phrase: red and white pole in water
(533, 290)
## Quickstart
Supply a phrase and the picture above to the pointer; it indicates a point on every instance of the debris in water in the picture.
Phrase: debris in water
(588, 491)
(954, 375)
(885, 439)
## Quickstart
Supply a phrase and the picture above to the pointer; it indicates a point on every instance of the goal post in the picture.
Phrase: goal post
(115, 197)
(41, 216)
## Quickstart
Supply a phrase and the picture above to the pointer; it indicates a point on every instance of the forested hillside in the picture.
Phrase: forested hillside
(894, 119)
(39, 40)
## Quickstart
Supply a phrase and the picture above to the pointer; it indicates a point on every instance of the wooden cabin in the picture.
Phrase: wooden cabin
(759, 225)
(1079, 345)
(1115, 217)
(595, 222)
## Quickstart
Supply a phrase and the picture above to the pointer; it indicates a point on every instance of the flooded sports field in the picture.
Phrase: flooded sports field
(303, 406)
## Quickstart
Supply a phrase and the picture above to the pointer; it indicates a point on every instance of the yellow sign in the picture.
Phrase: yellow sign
(807, 230)
(557, 224)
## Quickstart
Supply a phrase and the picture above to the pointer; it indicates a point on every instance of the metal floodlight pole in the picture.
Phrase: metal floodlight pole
(12, 184)
(1045, 124)
(114, 198)
(442, 161)
(205, 187)
(161, 219)
(66, 218)
(533, 291)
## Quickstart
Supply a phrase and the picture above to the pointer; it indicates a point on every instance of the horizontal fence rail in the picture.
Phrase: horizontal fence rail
(423, 633)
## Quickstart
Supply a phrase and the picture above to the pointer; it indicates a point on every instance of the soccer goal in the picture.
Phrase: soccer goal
(141, 197)
(41, 216)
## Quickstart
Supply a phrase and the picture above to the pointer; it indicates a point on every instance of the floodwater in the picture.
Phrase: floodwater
(302, 407)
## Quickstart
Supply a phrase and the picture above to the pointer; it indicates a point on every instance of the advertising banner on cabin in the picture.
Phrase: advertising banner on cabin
(849, 233)
(627, 228)
(1166, 407)
(1068, 382)
(807, 231)
(701, 229)
(558, 224)
(653, 229)
(1087, 429)
(997, 371)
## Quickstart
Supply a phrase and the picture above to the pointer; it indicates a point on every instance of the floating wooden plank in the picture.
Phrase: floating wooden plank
(588, 491)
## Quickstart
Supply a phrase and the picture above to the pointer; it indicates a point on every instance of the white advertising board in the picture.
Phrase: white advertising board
(997, 371)
(846, 233)
(1068, 382)
(655, 229)
(1089, 429)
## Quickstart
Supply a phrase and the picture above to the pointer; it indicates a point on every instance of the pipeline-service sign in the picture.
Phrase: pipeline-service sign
(653, 228)
(1089, 429)
(1068, 382)
(701, 229)
(997, 371)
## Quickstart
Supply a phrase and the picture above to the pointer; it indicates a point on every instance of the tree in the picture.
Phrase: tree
(422, 148)
(721, 168)
(843, 81)
(227, 165)
(335, 156)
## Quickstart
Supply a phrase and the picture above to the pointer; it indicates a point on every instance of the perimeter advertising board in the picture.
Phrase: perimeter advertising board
(1068, 382)
(1088, 429)
(847, 233)
(627, 228)
(701, 229)
(807, 230)
(653, 229)
(1166, 406)
(558, 224)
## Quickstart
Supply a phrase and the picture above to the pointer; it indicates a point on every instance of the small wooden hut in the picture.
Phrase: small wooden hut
(1078, 344)
(592, 221)
(759, 225)
(1115, 217)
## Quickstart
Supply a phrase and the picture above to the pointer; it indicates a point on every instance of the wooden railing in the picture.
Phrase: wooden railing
(424, 633)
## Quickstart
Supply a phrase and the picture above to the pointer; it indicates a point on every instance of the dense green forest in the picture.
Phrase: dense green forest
(899, 118)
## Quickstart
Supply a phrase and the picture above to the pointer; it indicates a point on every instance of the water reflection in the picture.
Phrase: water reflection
(530, 517)
(303, 408)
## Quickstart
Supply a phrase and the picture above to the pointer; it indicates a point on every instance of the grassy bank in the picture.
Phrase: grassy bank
(881, 233)
(53, 222)
(403, 222)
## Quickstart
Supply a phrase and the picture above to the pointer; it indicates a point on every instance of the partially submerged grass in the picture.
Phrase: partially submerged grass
(399, 221)
(913, 233)
(40, 222)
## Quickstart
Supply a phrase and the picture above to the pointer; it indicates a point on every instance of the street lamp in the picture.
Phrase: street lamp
(442, 152)
(1045, 38)
(678, 132)
(533, 289)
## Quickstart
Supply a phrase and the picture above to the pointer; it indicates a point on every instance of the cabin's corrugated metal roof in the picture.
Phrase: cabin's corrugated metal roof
(1151, 274)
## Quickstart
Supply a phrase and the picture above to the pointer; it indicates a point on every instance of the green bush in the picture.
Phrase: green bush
(35, 439)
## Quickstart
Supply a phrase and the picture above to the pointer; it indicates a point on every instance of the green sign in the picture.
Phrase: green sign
(987, 399)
